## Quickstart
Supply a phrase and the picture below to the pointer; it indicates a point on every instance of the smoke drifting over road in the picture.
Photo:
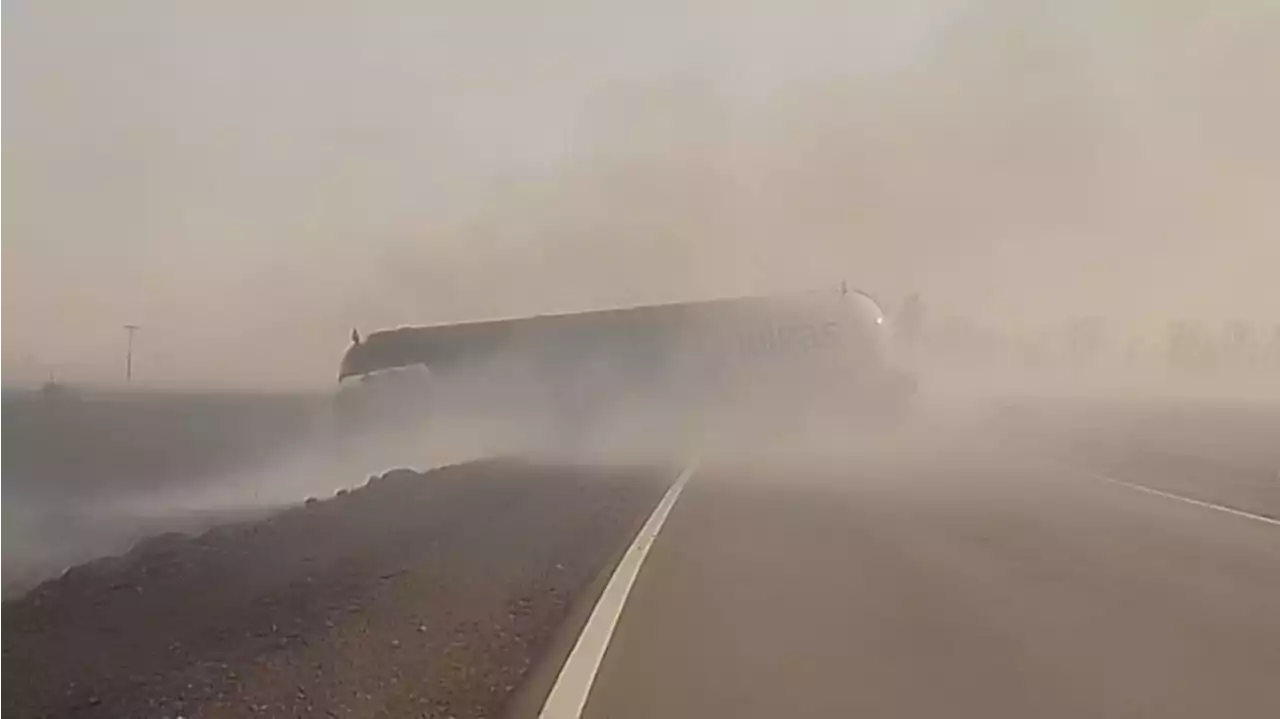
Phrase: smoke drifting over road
(1081, 194)
(1065, 211)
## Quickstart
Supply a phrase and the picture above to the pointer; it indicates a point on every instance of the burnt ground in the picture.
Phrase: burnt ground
(97, 443)
(416, 595)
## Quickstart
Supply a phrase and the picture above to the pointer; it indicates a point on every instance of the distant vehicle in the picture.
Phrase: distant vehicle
(827, 350)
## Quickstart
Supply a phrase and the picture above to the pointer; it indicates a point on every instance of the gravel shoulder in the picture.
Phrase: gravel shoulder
(416, 595)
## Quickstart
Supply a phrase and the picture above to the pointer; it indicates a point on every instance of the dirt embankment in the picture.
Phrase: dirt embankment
(416, 595)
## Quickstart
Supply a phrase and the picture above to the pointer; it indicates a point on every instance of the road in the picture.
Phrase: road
(953, 578)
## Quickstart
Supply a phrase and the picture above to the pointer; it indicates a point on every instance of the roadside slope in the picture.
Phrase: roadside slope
(416, 594)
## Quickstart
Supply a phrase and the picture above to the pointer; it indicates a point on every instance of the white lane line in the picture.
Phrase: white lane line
(1188, 500)
(569, 694)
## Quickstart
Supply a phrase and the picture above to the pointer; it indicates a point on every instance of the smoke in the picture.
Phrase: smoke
(248, 183)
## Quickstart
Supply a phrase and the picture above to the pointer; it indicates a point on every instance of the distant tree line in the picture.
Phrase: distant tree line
(1184, 346)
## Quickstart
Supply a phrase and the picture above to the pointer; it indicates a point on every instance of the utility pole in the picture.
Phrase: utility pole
(128, 358)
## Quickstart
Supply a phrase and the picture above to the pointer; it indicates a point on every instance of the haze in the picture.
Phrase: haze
(249, 182)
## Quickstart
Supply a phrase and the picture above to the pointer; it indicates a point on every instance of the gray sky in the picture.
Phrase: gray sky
(228, 174)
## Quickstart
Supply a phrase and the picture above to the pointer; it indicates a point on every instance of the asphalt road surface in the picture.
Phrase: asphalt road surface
(956, 578)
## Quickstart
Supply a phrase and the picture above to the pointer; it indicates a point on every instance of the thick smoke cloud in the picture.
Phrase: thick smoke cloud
(235, 177)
